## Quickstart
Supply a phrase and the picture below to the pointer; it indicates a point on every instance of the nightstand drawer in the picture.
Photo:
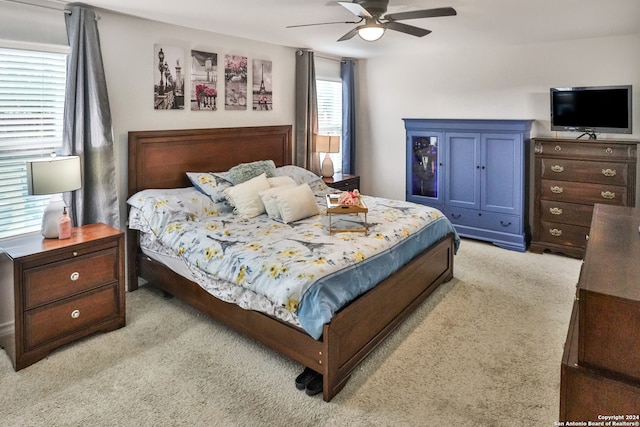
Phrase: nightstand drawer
(52, 282)
(57, 320)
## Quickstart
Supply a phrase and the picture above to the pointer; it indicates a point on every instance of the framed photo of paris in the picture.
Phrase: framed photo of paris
(204, 81)
(168, 89)
(262, 89)
(235, 76)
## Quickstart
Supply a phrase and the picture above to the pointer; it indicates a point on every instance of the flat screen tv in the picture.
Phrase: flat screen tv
(591, 110)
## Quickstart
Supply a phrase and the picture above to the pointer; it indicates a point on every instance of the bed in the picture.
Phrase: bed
(161, 160)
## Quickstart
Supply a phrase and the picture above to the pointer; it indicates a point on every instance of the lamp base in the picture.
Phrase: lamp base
(327, 166)
(52, 214)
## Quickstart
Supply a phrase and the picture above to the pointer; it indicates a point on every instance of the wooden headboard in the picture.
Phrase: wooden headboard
(160, 159)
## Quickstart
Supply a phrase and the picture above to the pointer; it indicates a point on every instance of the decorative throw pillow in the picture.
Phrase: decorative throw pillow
(209, 184)
(270, 200)
(245, 197)
(296, 203)
(299, 175)
(281, 181)
(245, 171)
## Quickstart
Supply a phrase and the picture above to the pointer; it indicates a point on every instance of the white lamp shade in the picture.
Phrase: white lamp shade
(53, 175)
(370, 33)
(327, 144)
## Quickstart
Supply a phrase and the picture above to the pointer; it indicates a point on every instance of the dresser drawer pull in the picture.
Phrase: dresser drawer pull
(609, 150)
(74, 276)
(454, 216)
(557, 190)
(555, 232)
(75, 253)
(75, 314)
(608, 195)
(558, 148)
(555, 211)
(609, 172)
(557, 168)
(505, 224)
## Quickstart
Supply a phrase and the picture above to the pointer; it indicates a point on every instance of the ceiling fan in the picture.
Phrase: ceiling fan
(372, 12)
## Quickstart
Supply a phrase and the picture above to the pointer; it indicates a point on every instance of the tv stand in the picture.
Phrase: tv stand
(592, 135)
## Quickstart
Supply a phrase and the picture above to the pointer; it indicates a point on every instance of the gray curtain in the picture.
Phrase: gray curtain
(306, 112)
(347, 75)
(87, 128)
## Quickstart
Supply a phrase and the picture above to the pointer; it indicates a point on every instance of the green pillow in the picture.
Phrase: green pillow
(245, 171)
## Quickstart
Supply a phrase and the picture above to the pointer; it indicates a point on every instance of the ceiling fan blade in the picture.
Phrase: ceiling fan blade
(324, 23)
(349, 35)
(425, 13)
(407, 29)
(356, 9)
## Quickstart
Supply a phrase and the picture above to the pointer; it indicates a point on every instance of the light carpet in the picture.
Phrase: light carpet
(483, 350)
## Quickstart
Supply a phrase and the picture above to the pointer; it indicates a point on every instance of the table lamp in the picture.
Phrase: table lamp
(327, 144)
(53, 175)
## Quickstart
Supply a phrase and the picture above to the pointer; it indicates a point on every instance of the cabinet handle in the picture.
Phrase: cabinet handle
(74, 276)
(555, 232)
(505, 224)
(558, 148)
(557, 168)
(609, 172)
(555, 211)
(557, 190)
(608, 195)
(609, 150)
(454, 216)
(75, 314)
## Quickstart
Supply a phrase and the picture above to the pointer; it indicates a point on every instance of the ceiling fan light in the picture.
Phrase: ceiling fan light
(370, 33)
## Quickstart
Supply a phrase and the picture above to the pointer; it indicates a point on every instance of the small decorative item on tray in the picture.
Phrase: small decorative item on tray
(348, 202)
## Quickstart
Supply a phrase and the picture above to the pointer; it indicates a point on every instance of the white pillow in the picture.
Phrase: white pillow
(270, 201)
(245, 197)
(280, 181)
(295, 203)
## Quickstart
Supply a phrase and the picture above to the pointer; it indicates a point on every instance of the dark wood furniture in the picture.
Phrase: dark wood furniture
(343, 182)
(159, 159)
(600, 372)
(570, 177)
(57, 291)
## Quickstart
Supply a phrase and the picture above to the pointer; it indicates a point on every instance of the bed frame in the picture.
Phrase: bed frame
(159, 159)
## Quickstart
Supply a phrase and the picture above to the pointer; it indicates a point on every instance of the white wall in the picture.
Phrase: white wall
(128, 54)
(492, 83)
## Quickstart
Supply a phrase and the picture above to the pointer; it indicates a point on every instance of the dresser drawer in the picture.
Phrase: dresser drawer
(54, 321)
(585, 150)
(52, 282)
(484, 219)
(563, 234)
(584, 171)
(585, 193)
(566, 213)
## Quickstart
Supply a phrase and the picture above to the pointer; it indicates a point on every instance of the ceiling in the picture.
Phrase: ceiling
(479, 22)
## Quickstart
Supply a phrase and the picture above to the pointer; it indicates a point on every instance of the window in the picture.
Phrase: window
(32, 92)
(329, 94)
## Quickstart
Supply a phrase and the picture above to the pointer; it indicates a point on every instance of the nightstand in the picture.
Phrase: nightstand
(343, 182)
(53, 292)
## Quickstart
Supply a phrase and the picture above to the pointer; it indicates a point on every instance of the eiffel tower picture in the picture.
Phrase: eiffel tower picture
(262, 93)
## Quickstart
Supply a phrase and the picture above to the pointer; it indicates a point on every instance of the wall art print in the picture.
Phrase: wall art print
(204, 81)
(168, 89)
(262, 89)
(235, 76)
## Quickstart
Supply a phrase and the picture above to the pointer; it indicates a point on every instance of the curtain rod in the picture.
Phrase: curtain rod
(26, 3)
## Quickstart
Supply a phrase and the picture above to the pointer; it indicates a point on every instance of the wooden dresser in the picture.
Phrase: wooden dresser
(53, 292)
(600, 371)
(570, 177)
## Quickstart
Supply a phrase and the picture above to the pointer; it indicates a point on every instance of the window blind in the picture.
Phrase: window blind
(32, 92)
(329, 96)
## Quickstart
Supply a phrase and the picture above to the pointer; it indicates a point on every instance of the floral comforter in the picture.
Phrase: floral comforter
(299, 267)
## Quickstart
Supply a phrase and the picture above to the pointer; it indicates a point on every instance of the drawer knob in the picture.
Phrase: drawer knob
(75, 314)
(608, 195)
(74, 276)
(609, 172)
(555, 211)
(558, 148)
(557, 190)
(555, 232)
(557, 168)
(75, 253)
(609, 150)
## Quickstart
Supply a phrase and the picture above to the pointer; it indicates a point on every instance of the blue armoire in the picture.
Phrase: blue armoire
(476, 172)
